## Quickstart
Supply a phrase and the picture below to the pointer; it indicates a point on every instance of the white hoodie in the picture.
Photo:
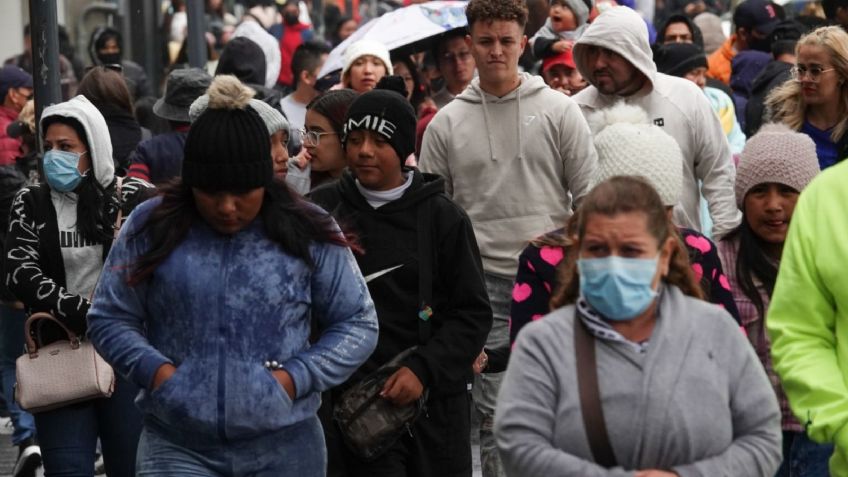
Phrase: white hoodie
(513, 163)
(82, 260)
(679, 107)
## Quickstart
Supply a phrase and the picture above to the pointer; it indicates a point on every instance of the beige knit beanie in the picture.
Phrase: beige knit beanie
(629, 145)
(776, 154)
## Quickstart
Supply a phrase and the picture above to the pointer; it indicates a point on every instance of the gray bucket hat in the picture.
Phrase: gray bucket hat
(183, 87)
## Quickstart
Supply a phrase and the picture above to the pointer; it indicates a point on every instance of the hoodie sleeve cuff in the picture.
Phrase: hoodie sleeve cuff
(146, 370)
(300, 375)
(418, 366)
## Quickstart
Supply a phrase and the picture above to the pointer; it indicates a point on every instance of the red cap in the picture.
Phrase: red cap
(564, 58)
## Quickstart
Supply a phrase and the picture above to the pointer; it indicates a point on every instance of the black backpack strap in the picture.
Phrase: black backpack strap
(590, 396)
(425, 272)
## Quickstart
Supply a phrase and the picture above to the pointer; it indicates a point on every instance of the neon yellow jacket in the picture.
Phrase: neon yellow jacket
(808, 316)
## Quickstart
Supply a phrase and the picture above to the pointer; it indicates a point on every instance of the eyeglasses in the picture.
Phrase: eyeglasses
(461, 56)
(813, 72)
(312, 138)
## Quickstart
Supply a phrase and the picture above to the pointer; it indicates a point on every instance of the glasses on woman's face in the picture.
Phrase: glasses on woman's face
(814, 73)
(312, 138)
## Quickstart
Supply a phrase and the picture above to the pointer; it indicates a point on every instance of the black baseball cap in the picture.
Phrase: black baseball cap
(760, 15)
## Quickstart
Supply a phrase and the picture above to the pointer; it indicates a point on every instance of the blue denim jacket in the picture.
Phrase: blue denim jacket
(217, 308)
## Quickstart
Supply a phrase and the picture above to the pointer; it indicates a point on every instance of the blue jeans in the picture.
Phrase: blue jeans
(297, 450)
(486, 386)
(803, 457)
(11, 347)
(68, 435)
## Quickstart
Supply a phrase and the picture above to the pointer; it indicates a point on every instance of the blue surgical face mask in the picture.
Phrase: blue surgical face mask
(61, 169)
(618, 288)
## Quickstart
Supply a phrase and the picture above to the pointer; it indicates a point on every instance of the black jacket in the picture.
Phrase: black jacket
(125, 134)
(774, 75)
(462, 316)
(34, 269)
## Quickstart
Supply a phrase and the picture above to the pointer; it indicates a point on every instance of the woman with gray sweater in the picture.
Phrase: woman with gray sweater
(678, 390)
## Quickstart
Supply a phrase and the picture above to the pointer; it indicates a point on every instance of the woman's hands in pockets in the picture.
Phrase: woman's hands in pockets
(163, 374)
(286, 381)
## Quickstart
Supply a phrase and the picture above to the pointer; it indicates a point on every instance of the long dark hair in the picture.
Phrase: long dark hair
(333, 105)
(752, 261)
(97, 206)
(288, 220)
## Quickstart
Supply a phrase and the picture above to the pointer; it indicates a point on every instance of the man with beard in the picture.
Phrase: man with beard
(293, 34)
(754, 21)
(614, 56)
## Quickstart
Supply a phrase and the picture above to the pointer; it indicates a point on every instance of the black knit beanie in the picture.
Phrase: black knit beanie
(677, 59)
(386, 111)
(227, 147)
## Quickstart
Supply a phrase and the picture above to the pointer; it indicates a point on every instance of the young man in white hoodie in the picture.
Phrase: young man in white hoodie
(614, 56)
(515, 155)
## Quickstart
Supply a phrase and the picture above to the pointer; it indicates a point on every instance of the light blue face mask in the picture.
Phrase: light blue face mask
(61, 169)
(618, 288)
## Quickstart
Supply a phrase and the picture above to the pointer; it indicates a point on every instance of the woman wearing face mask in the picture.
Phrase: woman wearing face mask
(366, 62)
(59, 236)
(227, 88)
(815, 101)
(776, 165)
(677, 392)
(206, 304)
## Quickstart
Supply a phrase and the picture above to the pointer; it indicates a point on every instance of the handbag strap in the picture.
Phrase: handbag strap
(120, 216)
(590, 395)
(425, 273)
(32, 345)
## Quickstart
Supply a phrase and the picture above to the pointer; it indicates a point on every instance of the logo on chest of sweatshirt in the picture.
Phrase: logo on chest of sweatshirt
(529, 120)
(74, 240)
(659, 122)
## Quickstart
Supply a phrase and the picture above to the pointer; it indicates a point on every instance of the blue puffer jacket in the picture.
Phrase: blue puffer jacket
(217, 308)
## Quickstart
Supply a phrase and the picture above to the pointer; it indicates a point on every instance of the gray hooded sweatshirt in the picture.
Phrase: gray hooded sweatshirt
(697, 403)
(513, 163)
(679, 107)
(82, 260)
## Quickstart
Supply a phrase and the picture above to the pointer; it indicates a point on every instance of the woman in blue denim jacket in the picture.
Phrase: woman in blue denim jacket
(206, 302)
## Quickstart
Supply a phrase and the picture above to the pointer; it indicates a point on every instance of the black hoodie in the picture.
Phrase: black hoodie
(389, 236)
(134, 74)
(773, 75)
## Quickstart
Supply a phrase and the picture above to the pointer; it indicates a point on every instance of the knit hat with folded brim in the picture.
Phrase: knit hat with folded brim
(776, 154)
(677, 59)
(227, 147)
(628, 144)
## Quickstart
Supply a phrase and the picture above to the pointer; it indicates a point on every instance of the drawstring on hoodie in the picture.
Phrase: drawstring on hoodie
(517, 122)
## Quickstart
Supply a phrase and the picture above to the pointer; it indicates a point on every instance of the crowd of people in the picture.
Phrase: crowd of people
(606, 248)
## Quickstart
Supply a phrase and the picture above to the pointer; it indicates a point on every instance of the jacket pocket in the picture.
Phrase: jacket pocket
(255, 402)
(186, 401)
(502, 240)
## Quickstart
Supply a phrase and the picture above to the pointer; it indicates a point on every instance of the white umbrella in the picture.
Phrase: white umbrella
(403, 27)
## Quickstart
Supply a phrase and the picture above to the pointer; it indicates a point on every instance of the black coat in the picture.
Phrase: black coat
(773, 75)
(462, 316)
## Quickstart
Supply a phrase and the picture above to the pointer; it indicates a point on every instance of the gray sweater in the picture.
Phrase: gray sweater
(697, 403)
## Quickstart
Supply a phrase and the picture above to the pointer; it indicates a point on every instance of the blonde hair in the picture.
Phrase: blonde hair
(786, 104)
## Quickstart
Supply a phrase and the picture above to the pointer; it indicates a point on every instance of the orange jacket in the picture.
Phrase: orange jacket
(719, 61)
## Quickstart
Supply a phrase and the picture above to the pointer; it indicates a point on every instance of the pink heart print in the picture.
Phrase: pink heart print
(698, 270)
(701, 244)
(521, 292)
(552, 255)
(536, 317)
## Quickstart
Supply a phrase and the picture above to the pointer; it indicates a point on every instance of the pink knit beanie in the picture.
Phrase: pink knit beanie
(776, 154)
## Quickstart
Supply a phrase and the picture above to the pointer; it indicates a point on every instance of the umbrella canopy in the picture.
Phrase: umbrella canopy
(411, 27)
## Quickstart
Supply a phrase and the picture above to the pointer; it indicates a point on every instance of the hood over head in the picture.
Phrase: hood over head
(623, 31)
(697, 37)
(746, 66)
(96, 131)
(98, 39)
(244, 59)
(580, 10)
